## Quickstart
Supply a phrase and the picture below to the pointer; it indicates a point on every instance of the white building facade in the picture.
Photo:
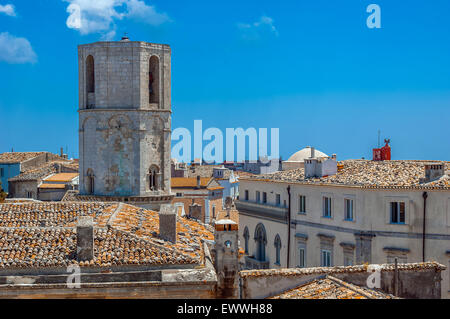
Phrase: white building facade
(346, 219)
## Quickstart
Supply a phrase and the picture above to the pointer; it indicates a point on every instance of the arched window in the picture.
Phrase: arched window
(246, 237)
(277, 244)
(261, 241)
(90, 81)
(154, 178)
(153, 80)
(90, 181)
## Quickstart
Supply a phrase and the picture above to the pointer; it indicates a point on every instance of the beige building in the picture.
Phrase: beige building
(367, 212)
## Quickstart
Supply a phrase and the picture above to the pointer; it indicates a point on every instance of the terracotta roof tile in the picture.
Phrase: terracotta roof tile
(366, 174)
(18, 157)
(44, 235)
(332, 288)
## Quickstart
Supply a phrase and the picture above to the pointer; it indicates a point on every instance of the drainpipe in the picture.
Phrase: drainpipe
(424, 195)
(289, 225)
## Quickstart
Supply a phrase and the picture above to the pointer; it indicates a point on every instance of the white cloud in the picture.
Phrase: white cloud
(256, 29)
(100, 16)
(16, 50)
(139, 10)
(8, 9)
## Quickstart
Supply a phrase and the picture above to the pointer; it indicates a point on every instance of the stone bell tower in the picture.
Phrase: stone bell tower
(125, 121)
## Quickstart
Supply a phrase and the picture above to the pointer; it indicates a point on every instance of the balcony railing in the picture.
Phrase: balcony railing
(262, 210)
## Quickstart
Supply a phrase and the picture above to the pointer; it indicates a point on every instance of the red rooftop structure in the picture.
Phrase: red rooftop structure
(384, 153)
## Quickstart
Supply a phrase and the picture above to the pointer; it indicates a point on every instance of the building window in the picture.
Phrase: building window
(401, 259)
(179, 194)
(258, 197)
(30, 194)
(277, 244)
(90, 181)
(261, 241)
(246, 194)
(325, 258)
(90, 82)
(246, 237)
(302, 204)
(397, 212)
(264, 198)
(2, 172)
(327, 207)
(348, 260)
(153, 178)
(153, 80)
(302, 257)
(90, 74)
(348, 209)
(214, 212)
(278, 199)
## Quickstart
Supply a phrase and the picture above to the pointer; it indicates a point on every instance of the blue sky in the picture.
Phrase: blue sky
(311, 68)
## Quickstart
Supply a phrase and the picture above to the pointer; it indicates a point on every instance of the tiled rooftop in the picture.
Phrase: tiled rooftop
(332, 288)
(61, 177)
(45, 170)
(44, 235)
(365, 173)
(206, 171)
(188, 182)
(338, 269)
(17, 157)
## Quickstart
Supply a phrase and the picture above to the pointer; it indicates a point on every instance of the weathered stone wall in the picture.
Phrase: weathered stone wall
(123, 135)
(423, 284)
(20, 189)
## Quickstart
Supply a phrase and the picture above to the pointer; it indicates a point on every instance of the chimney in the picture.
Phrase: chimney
(168, 223)
(334, 156)
(434, 171)
(62, 152)
(313, 152)
(85, 238)
(198, 181)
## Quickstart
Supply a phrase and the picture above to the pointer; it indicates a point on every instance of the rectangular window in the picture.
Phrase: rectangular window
(264, 198)
(179, 194)
(348, 260)
(327, 207)
(349, 209)
(302, 204)
(326, 258)
(246, 194)
(1, 172)
(278, 199)
(302, 257)
(258, 197)
(397, 212)
(400, 259)
(30, 194)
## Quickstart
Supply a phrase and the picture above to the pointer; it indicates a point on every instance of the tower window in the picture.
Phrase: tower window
(153, 80)
(90, 181)
(153, 177)
(90, 82)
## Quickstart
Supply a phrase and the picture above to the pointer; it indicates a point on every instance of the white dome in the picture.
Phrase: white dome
(305, 153)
